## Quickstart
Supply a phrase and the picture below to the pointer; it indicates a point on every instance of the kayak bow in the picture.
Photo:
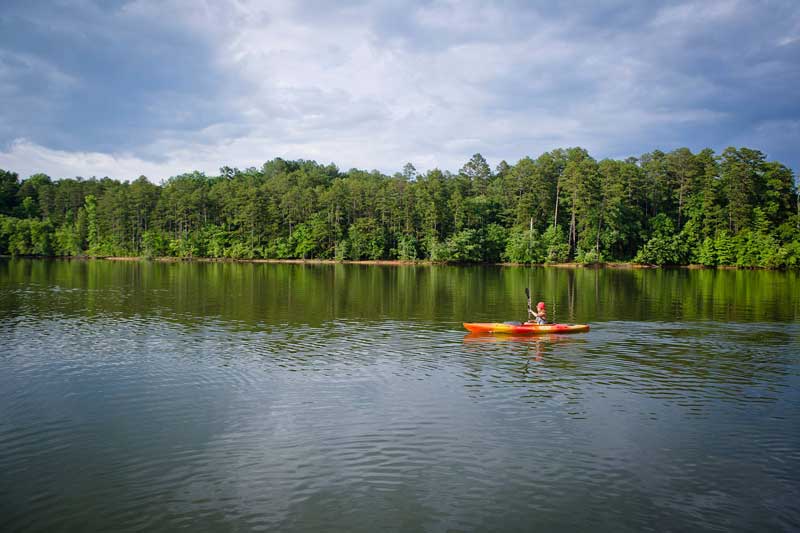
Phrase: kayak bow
(524, 329)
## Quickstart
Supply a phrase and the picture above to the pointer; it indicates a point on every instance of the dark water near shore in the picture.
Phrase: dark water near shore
(218, 397)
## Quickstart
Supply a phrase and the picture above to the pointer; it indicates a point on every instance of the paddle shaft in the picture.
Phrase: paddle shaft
(528, 294)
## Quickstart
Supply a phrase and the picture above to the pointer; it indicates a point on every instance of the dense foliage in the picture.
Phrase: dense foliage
(735, 208)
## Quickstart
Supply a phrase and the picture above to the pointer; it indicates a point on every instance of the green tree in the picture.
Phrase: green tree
(463, 246)
(556, 245)
(366, 240)
(92, 236)
(742, 178)
(477, 173)
(664, 247)
(678, 207)
(9, 187)
(525, 245)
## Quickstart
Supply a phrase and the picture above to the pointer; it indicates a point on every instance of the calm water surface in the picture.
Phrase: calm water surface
(218, 397)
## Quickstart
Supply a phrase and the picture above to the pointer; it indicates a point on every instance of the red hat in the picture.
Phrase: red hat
(540, 305)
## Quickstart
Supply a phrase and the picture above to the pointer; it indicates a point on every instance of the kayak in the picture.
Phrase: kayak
(524, 329)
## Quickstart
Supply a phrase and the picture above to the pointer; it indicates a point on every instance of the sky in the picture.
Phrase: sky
(162, 87)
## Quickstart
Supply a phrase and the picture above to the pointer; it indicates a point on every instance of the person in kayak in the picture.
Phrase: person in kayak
(540, 315)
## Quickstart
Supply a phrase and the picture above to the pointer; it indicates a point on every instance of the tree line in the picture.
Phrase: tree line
(734, 208)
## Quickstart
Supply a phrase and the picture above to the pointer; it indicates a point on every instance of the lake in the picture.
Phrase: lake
(290, 397)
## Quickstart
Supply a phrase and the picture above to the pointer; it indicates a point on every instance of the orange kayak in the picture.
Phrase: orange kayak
(524, 329)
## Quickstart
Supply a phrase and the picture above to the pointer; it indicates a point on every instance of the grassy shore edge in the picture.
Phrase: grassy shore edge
(388, 262)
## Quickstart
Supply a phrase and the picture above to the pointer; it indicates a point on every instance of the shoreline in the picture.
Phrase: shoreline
(395, 262)
(384, 262)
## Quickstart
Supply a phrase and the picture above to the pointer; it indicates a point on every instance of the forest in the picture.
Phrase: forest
(675, 208)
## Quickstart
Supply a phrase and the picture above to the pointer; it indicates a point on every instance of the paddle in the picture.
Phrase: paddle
(528, 294)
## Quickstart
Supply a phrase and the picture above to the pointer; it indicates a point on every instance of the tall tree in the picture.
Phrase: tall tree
(684, 171)
(742, 173)
(9, 187)
(478, 173)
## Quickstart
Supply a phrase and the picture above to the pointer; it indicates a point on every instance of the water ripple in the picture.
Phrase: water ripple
(131, 422)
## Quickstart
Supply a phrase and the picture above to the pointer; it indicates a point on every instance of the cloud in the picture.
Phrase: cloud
(175, 85)
(27, 158)
(31, 89)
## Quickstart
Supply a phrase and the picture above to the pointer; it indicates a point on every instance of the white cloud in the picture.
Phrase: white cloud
(378, 103)
(449, 79)
(27, 158)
